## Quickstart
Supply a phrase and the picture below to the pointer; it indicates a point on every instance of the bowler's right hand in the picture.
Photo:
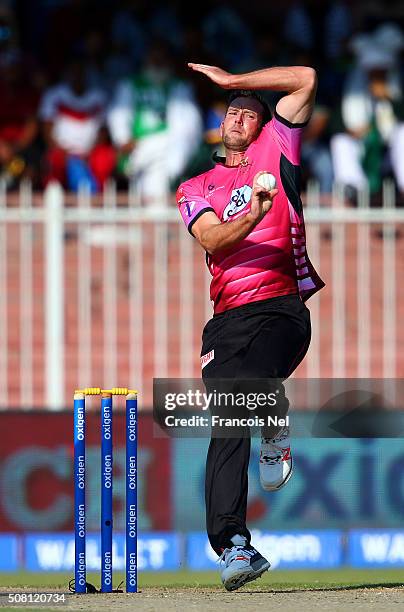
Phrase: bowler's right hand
(261, 199)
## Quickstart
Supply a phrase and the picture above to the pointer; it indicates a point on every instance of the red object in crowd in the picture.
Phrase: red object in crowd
(101, 161)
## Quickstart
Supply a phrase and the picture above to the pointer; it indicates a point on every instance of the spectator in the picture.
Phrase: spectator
(318, 26)
(165, 22)
(93, 52)
(337, 28)
(19, 98)
(127, 30)
(372, 114)
(73, 118)
(20, 149)
(117, 66)
(298, 29)
(226, 34)
(212, 146)
(315, 151)
(66, 25)
(156, 126)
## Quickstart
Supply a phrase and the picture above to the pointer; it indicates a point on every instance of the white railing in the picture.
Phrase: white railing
(98, 291)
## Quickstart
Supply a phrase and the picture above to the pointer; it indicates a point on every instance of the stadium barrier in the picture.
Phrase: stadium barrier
(95, 286)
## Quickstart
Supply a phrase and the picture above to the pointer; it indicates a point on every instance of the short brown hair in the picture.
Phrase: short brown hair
(249, 93)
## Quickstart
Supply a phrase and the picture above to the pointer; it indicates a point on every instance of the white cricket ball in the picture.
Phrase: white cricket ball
(267, 181)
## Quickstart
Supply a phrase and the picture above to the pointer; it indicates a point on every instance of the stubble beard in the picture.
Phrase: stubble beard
(235, 142)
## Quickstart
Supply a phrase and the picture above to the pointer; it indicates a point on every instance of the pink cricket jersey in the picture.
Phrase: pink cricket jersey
(272, 260)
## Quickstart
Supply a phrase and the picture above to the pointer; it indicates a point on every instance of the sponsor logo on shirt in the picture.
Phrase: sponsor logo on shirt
(207, 357)
(212, 189)
(239, 199)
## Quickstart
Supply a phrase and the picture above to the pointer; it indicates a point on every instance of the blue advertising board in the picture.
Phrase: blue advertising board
(165, 551)
(55, 552)
(376, 548)
(8, 553)
(284, 550)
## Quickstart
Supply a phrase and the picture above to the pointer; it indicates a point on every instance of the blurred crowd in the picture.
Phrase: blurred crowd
(96, 90)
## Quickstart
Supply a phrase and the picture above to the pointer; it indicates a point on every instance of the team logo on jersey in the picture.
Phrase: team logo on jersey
(239, 199)
(190, 208)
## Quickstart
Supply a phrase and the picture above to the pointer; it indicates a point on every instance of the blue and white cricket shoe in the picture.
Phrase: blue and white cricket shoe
(276, 464)
(242, 564)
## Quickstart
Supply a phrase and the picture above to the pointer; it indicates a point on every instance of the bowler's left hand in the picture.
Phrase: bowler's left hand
(214, 73)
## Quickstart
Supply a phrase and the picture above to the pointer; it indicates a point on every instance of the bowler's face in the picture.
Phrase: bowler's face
(242, 123)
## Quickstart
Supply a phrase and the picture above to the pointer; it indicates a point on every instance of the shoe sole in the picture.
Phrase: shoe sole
(238, 581)
(270, 488)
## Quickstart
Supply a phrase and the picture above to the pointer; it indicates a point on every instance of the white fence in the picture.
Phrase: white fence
(100, 292)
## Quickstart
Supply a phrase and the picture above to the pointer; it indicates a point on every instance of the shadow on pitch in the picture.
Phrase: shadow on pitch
(348, 587)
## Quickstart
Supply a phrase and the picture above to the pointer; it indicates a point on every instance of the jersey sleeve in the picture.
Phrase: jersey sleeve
(191, 203)
(121, 113)
(287, 135)
(49, 104)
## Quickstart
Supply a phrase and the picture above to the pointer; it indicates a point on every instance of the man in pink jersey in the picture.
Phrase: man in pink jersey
(261, 276)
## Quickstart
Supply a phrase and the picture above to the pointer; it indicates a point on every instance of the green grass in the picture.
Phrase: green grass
(276, 580)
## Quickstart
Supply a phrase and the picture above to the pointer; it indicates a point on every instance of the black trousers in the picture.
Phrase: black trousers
(263, 340)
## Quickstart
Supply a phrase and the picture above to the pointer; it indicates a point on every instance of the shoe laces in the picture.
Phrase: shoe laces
(275, 452)
(223, 555)
(229, 553)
